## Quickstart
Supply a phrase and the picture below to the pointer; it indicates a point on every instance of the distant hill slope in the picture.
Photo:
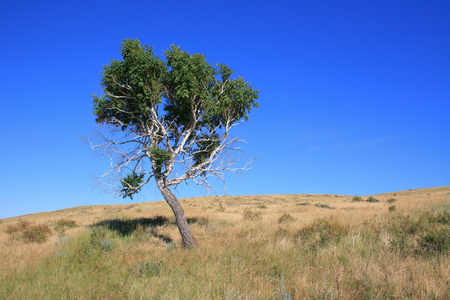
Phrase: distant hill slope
(86, 214)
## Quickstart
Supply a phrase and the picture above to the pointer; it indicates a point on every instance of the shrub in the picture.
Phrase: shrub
(250, 215)
(424, 233)
(286, 218)
(392, 200)
(36, 234)
(323, 231)
(67, 223)
(63, 224)
(372, 200)
(442, 217)
(304, 204)
(323, 206)
(15, 230)
(435, 241)
(357, 199)
(262, 206)
(392, 208)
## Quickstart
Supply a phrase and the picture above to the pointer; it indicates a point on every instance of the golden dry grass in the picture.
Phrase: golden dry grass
(350, 273)
(228, 208)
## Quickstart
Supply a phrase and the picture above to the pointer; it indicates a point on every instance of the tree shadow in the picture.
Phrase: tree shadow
(126, 227)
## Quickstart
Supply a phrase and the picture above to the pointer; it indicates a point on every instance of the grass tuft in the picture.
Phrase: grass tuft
(323, 206)
(286, 218)
(147, 269)
(250, 215)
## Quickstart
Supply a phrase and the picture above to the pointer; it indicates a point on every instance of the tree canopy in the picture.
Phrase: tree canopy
(171, 116)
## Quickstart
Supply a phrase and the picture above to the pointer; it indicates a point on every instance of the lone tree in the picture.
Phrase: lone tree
(170, 120)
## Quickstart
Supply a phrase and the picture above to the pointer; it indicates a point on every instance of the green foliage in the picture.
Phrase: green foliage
(392, 208)
(162, 99)
(303, 204)
(262, 206)
(205, 147)
(130, 85)
(251, 215)
(36, 234)
(142, 79)
(131, 183)
(391, 200)
(161, 157)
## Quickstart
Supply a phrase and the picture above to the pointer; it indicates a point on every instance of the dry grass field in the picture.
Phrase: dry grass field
(251, 247)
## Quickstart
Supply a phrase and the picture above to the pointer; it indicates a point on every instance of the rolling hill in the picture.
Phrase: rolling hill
(252, 247)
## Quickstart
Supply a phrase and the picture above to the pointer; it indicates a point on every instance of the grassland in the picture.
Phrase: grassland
(252, 247)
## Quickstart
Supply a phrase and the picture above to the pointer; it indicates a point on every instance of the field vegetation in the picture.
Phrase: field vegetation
(251, 247)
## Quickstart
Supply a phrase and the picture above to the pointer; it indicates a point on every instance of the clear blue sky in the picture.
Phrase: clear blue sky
(355, 95)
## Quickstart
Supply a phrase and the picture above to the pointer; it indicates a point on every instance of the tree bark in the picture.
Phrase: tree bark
(187, 236)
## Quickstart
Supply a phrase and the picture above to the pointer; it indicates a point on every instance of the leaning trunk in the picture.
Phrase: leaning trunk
(187, 236)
